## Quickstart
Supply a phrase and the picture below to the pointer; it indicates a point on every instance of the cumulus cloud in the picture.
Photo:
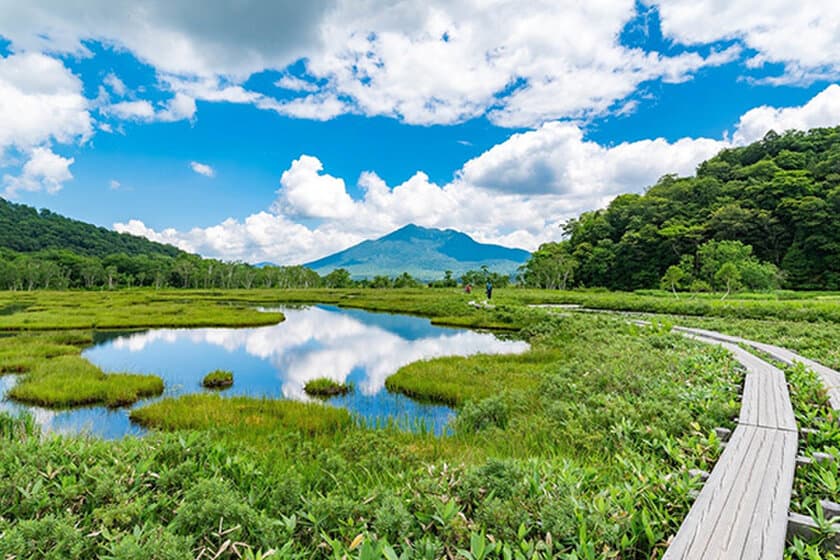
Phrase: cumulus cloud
(821, 110)
(224, 38)
(803, 36)
(42, 102)
(202, 169)
(306, 193)
(517, 194)
(43, 171)
(422, 61)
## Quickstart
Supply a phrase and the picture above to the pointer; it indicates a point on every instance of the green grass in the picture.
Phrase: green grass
(326, 387)
(19, 354)
(218, 379)
(126, 309)
(454, 380)
(241, 415)
(73, 381)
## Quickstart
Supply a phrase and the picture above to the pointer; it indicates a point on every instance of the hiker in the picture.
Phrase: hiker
(468, 288)
(489, 290)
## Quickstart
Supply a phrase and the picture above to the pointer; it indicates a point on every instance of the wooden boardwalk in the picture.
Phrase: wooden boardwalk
(742, 510)
(829, 377)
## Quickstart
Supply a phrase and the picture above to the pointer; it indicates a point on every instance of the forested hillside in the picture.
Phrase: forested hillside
(25, 229)
(771, 210)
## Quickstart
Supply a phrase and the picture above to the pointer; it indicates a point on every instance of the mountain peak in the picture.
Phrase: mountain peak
(425, 253)
(410, 231)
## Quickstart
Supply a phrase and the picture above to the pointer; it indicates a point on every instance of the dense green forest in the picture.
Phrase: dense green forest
(25, 230)
(759, 216)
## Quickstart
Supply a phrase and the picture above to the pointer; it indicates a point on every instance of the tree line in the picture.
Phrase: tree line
(59, 269)
(760, 216)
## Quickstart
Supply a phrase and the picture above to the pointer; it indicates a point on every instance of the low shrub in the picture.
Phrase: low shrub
(218, 379)
(326, 387)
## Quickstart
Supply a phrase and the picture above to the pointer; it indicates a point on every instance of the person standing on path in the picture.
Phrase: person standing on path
(489, 290)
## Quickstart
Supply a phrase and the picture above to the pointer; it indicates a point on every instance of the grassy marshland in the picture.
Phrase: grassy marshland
(53, 374)
(72, 381)
(325, 387)
(577, 449)
(262, 417)
(584, 454)
(218, 379)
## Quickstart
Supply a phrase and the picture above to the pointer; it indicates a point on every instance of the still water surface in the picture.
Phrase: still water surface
(276, 361)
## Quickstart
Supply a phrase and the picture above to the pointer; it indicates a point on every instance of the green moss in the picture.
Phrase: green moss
(72, 381)
(218, 379)
(326, 387)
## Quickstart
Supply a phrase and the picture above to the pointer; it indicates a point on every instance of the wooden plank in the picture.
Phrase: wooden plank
(830, 378)
(765, 400)
(742, 510)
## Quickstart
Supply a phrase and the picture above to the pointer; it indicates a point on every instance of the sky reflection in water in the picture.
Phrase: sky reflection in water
(276, 361)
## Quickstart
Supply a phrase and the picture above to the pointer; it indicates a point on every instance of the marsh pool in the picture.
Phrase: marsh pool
(276, 361)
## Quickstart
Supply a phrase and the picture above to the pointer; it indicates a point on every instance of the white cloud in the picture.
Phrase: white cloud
(115, 84)
(821, 110)
(44, 171)
(422, 61)
(293, 83)
(202, 169)
(40, 101)
(132, 110)
(804, 36)
(306, 193)
(179, 107)
(114, 185)
(556, 159)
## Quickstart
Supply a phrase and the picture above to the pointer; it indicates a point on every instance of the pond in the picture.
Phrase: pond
(355, 346)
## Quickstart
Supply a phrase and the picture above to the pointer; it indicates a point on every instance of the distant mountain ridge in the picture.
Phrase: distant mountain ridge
(425, 253)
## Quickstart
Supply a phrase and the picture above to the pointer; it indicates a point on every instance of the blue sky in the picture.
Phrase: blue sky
(316, 129)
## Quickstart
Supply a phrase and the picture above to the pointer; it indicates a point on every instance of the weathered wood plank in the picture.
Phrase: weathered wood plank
(830, 378)
(742, 510)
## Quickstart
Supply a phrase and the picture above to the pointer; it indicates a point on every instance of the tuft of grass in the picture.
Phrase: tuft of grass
(455, 380)
(218, 379)
(67, 381)
(241, 414)
(326, 387)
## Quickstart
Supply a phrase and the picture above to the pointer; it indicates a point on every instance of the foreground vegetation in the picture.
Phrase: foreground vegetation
(578, 448)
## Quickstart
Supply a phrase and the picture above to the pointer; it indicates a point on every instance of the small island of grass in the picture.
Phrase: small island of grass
(218, 379)
(326, 387)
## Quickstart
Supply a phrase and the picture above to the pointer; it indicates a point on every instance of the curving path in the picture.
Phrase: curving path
(742, 510)
(830, 378)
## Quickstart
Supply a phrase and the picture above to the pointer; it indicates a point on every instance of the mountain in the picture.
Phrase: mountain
(26, 230)
(422, 252)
